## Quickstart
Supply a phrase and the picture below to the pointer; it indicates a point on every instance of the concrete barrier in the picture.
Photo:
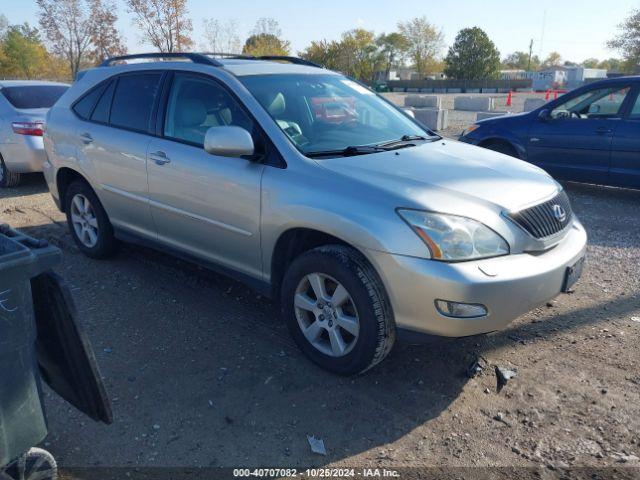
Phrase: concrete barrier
(485, 115)
(473, 104)
(533, 103)
(431, 118)
(422, 101)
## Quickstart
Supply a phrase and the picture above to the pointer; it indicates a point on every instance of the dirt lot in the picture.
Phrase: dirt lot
(202, 373)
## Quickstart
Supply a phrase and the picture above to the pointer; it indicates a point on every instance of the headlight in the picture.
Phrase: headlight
(469, 129)
(453, 238)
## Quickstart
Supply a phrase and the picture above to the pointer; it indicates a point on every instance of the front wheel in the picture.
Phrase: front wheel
(337, 310)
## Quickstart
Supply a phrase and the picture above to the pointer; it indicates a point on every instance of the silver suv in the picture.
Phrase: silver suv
(360, 222)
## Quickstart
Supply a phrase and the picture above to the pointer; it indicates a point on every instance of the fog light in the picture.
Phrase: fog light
(460, 310)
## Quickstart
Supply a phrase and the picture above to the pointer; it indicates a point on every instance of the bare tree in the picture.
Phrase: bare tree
(164, 23)
(69, 26)
(105, 37)
(267, 26)
(221, 36)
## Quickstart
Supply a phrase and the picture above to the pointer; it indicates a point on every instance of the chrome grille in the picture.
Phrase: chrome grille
(545, 219)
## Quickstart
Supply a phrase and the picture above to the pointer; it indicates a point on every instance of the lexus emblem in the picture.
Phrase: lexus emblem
(559, 213)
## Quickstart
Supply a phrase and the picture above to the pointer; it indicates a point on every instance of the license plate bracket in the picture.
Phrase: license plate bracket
(572, 275)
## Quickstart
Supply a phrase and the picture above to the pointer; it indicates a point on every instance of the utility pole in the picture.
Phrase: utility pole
(530, 55)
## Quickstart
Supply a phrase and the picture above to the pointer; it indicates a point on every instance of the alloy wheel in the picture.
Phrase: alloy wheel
(84, 220)
(326, 314)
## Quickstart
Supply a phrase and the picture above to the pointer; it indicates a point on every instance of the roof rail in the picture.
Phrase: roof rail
(194, 57)
(284, 58)
(228, 55)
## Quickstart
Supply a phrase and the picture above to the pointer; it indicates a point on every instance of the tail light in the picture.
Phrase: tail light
(35, 129)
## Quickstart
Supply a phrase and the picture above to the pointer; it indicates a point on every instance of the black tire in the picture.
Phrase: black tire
(106, 242)
(504, 148)
(8, 179)
(376, 323)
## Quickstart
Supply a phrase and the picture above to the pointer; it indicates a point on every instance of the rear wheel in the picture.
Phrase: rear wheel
(7, 178)
(337, 310)
(502, 147)
(88, 222)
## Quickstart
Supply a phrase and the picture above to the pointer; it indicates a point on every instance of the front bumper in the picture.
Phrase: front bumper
(508, 286)
(25, 156)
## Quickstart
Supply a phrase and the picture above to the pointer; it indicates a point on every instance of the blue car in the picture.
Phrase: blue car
(591, 134)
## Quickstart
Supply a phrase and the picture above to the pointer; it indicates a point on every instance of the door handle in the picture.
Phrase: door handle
(160, 157)
(86, 138)
(604, 131)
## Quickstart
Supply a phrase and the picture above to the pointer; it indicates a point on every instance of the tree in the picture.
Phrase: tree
(628, 42)
(473, 56)
(73, 26)
(554, 59)
(325, 53)
(520, 61)
(4, 25)
(221, 37)
(591, 63)
(393, 47)
(266, 39)
(23, 54)
(611, 64)
(360, 54)
(265, 44)
(164, 23)
(105, 37)
(425, 42)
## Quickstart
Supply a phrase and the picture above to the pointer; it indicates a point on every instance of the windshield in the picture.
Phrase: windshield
(33, 96)
(325, 113)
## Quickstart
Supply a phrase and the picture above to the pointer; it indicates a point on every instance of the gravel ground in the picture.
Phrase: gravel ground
(202, 373)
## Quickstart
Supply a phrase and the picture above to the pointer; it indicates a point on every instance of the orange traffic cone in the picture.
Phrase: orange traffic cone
(509, 99)
(548, 95)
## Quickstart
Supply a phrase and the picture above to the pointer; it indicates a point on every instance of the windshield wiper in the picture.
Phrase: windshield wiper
(402, 141)
(348, 151)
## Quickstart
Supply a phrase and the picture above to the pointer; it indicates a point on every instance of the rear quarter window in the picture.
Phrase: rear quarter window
(33, 96)
(84, 106)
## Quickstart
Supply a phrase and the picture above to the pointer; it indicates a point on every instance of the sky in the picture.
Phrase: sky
(578, 29)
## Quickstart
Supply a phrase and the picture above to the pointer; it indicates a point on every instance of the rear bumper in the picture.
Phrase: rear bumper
(25, 156)
(508, 286)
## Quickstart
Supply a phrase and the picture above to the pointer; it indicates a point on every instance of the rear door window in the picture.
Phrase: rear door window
(133, 101)
(33, 96)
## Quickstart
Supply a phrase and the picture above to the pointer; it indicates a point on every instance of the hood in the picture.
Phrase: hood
(509, 116)
(423, 173)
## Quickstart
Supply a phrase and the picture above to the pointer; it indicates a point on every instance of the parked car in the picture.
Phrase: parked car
(23, 106)
(357, 220)
(591, 134)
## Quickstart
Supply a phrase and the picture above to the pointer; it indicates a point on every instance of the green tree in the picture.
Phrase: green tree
(265, 44)
(425, 43)
(591, 63)
(360, 53)
(473, 56)
(611, 64)
(393, 48)
(23, 54)
(266, 39)
(325, 53)
(554, 59)
(521, 61)
(628, 42)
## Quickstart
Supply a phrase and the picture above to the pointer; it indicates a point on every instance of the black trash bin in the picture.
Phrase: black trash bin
(40, 338)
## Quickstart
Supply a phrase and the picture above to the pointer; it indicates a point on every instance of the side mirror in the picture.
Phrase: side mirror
(409, 111)
(545, 115)
(229, 142)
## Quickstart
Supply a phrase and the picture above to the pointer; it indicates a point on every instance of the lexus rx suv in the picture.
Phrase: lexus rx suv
(358, 221)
